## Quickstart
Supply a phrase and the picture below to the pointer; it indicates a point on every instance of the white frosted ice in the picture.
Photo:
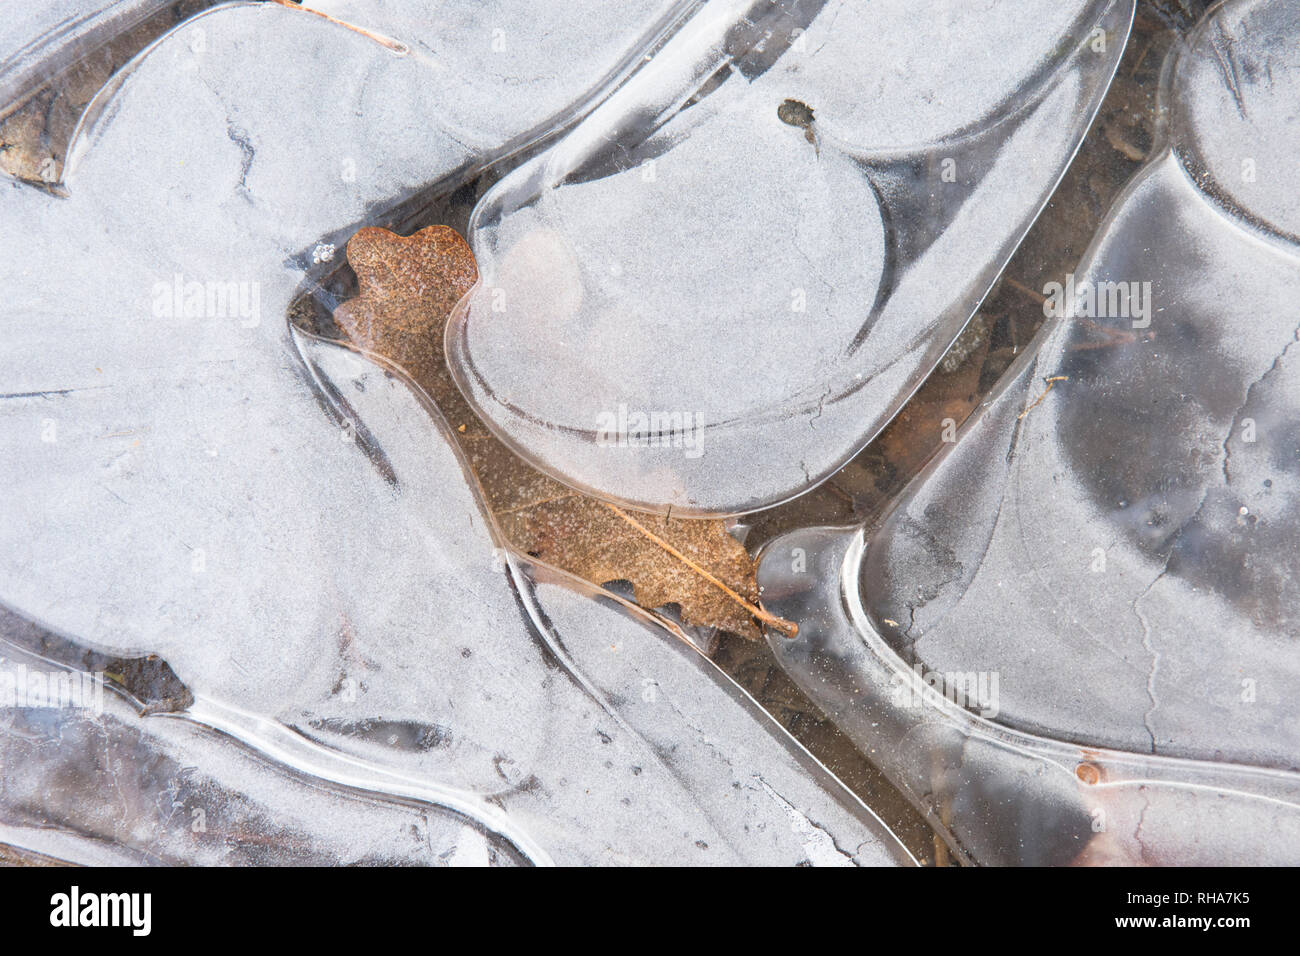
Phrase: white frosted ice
(1121, 554)
(513, 65)
(768, 236)
(39, 39)
(1240, 97)
(107, 788)
(286, 524)
(1132, 570)
(893, 76)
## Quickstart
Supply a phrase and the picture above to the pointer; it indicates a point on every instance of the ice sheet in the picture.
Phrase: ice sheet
(1114, 559)
(721, 284)
(286, 524)
(39, 39)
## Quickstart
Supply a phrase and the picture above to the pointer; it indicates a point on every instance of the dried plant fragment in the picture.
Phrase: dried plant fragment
(408, 287)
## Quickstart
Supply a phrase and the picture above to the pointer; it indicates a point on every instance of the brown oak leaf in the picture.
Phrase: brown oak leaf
(408, 288)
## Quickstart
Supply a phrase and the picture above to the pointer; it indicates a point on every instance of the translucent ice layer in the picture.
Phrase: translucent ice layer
(544, 725)
(145, 313)
(97, 785)
(286, 526)
(514, 66)
(724, 281)
(39, 39)
(1108, 555)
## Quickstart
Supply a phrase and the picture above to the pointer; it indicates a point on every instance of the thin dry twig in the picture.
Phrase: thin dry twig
(788, 628)
(379, 38)
(1051, 384)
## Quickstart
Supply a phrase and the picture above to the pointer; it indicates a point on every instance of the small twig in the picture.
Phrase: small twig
(1112, 337)
(788, 628)
(1032, 293)
(379, 38)
(1051, 384)
(831, 486)
(1142, 57)
(537, 504)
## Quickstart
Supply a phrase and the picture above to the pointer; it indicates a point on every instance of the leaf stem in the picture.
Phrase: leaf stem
(386, 42)
(1051, 384)
(788, 628)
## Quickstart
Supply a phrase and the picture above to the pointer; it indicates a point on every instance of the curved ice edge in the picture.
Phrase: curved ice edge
(682, 644)
(75, 37)
(289, 749)
(63, 847)
(524, 571)
(487, 156)
(881, 670)
(1119, 16)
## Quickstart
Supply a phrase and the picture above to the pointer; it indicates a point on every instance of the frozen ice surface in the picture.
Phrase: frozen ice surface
(39, 39)
(102, 786)
(1238, 105)
(553, 727)
(287, 526)
(998, 795)
(244, 183)
(1166, 447)
(1122, 555)
(512, 64)
(881, 76)
(724, 281)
